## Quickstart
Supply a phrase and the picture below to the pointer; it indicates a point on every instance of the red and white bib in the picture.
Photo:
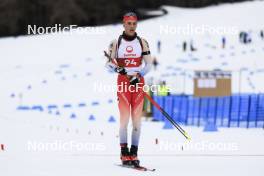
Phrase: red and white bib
(129, 56)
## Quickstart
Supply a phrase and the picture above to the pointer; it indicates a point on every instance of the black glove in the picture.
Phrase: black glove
(134, 80)
(121, 70)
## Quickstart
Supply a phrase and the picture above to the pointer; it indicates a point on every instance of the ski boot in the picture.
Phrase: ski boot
(133, 156)
(125, 157)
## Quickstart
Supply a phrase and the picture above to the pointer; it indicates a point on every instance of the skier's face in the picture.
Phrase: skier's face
(130, 27)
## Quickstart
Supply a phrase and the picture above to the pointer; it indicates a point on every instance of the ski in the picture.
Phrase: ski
(139, 168)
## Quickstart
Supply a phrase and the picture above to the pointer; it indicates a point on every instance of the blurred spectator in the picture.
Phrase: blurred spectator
(192, 47)
(163, 89)
(262, 34)
(244, 37)
(184, 46)
(155, 63)
(159, 46)
(241, 36)
(223, 42)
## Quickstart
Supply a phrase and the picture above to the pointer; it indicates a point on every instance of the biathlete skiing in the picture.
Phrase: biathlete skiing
(129, 56)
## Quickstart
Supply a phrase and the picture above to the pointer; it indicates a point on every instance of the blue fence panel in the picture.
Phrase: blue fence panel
(157, 115)
(211, 115)
(176, 108)
(220, 111)
(226, 111)
(253, 107)
(244, 103)
(190, 115)
(196, 111)
(245, 110)
(252, 115)
(193, 110)
(183, 109)
(260, 111)
(243, 115)
(203, 110)
(235, 107)
(168, 105)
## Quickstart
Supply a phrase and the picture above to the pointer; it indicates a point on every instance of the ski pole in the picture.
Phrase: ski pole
(168, 117)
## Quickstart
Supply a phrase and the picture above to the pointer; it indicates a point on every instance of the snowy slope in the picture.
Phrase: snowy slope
(63, 69)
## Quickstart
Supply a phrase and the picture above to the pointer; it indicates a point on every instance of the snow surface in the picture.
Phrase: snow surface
(62, 69)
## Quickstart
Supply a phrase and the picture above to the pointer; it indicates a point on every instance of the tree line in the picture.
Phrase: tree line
(16, 15)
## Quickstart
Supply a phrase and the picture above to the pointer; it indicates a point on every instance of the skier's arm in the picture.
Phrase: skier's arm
(112, 53)
(146, 57)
